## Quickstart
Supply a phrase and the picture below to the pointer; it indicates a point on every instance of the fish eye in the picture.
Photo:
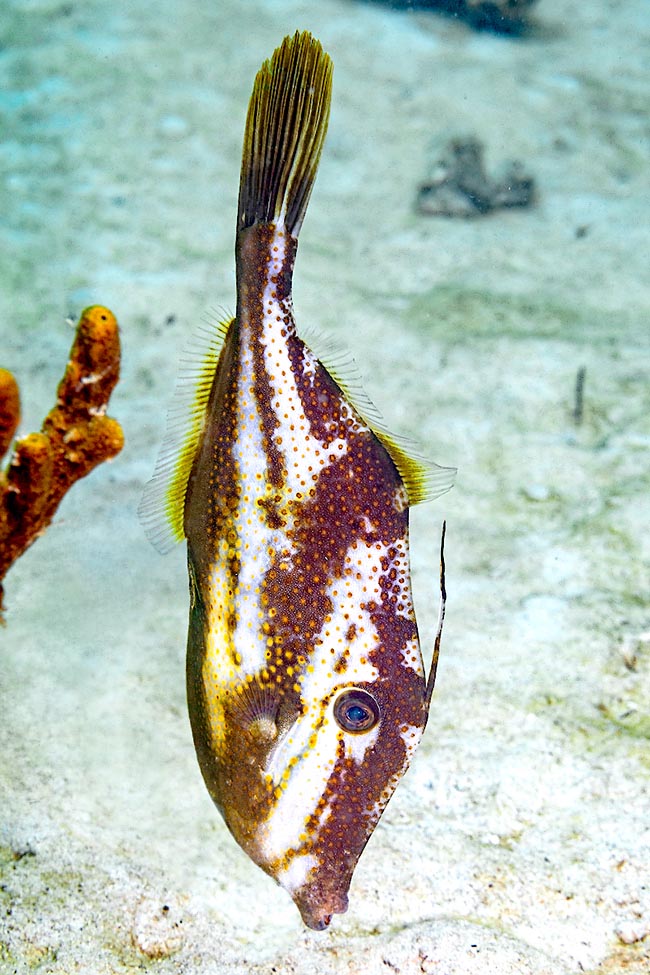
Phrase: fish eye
(356, 711)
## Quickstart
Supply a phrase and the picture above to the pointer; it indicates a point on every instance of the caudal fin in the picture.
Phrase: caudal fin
(285, 130)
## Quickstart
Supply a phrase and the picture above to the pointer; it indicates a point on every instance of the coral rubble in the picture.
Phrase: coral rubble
(499, 16)
(460, 187)
(75, 437)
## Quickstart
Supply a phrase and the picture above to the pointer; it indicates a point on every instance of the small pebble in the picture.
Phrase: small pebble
(157, 928)
(536, 492)
(631, 932)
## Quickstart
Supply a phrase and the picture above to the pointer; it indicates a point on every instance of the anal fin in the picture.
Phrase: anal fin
(162, 508)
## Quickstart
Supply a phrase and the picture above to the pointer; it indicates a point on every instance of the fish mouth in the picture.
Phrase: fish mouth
(317, 912)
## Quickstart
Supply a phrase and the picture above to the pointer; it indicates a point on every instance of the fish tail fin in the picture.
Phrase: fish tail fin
(285, 130)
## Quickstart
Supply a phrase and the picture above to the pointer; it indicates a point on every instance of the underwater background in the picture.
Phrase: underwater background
(519, 841)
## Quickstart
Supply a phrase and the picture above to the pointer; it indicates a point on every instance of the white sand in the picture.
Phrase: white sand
(520, 840)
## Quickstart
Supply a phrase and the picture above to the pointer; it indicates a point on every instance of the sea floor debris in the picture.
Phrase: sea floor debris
(460, 187)
(498, 16)
(75, 437)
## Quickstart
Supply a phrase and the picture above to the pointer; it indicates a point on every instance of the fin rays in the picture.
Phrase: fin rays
(285, 131)
(423, 479)
(161, 510)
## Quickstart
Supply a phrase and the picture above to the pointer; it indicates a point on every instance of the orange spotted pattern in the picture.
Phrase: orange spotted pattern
(300, 592)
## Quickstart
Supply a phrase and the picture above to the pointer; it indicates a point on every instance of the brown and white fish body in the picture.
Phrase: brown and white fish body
(306, 687)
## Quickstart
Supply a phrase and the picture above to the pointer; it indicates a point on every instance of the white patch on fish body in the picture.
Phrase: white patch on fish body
(303, 453)
(217, 668)
(410, 735)
(401, 584)
(357, 745)
(302, 762)
(401, 498)
(412, 656)
(305, 785)
(254, 539)
(309, 364)
(296, 873)
(302, 789)
(218, 607)
(359, 584)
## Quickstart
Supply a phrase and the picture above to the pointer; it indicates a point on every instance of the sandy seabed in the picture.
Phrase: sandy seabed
(519, 842)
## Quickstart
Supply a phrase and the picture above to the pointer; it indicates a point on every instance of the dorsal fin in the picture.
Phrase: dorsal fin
(162, 508)
(285, 130)
(423, 479)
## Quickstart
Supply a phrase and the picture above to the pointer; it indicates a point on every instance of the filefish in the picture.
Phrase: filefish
(305, 682)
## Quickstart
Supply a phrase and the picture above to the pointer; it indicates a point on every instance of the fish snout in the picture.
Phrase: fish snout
(317, 909)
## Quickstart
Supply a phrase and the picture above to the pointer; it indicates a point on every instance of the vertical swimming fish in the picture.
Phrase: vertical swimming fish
(305, 682)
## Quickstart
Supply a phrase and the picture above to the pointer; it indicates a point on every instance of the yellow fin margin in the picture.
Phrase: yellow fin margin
(423, 479)
(162, 508)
